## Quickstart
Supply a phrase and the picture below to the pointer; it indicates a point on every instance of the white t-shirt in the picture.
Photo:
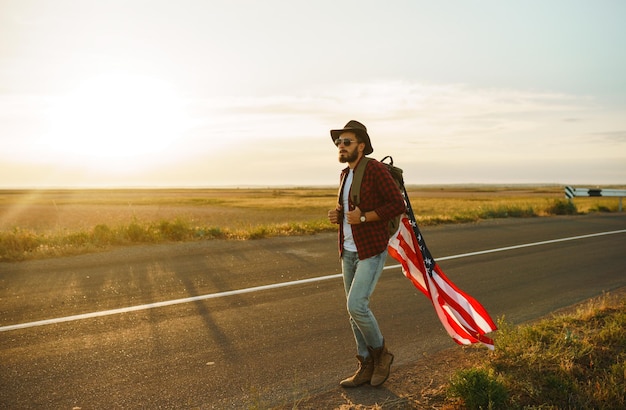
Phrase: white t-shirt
(348, 240)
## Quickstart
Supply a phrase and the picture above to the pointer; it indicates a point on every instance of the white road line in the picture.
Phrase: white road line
(272, 286)
(526, 245)
(164, 303)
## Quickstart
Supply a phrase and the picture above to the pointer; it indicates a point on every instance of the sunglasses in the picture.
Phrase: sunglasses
(346, 141)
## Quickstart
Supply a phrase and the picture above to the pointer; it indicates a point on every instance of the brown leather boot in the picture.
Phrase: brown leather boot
(382, 364)
(363, 373)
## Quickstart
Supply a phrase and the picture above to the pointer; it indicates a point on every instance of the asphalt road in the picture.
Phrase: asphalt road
(272, 346)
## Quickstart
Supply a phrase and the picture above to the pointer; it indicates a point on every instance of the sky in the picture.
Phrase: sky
(202, 93)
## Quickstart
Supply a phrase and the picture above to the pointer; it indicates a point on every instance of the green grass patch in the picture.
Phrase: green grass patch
(479, 388)
(562, 207)
(18, 244)
(569, 361)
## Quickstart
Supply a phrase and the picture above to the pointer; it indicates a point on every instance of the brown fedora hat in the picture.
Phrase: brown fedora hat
(357, 128)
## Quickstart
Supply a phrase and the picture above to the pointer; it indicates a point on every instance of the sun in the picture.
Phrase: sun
(116, 118)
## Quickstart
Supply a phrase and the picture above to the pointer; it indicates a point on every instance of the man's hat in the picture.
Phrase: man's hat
(357, 128)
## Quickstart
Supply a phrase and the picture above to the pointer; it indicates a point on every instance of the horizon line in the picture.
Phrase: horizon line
(297, 186)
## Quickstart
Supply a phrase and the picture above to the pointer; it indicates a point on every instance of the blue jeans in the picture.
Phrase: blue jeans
(359, 280)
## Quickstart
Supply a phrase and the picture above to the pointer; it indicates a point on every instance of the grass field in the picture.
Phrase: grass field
(48, 223)
(571, 360)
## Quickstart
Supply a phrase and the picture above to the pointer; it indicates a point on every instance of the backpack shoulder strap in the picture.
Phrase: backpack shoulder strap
(341, 184)
(357, 178)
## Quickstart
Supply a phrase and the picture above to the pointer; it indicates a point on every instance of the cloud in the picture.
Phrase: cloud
(401, 113)
(441, 132)
(612, 136)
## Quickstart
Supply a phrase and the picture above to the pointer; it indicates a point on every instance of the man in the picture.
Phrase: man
(363, 239)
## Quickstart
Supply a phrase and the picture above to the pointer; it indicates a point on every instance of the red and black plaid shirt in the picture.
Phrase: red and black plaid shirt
(379, 193)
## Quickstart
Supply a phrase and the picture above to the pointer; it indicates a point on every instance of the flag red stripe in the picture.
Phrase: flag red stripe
(456, 330)
(463, 317)
(402, 248)
(458, 333)
(480, 310)
(466, 306)
(457, 325)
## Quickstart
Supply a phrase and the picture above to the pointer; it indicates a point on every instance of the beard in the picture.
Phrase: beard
(349, 156)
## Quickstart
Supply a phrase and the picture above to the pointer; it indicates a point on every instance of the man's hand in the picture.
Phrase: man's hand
(354, 216)
(334, 215)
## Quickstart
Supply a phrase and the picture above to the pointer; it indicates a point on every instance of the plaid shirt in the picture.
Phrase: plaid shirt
(379, 193)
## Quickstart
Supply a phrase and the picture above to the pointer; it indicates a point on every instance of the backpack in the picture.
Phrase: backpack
(396, 174)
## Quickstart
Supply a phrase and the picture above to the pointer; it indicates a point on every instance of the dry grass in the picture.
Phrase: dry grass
(46, 223)
(571, 360)
(50, 210)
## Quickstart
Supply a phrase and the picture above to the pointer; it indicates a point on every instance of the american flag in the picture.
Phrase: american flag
(463, 317)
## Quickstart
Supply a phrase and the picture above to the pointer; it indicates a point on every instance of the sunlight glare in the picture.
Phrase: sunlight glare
(116, 118)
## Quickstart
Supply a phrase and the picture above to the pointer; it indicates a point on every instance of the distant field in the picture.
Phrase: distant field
(34, 221)
(50, 210)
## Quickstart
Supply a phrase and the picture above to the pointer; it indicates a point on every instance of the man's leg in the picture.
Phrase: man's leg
(366, 275)
(360, 279)
(363, 374)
